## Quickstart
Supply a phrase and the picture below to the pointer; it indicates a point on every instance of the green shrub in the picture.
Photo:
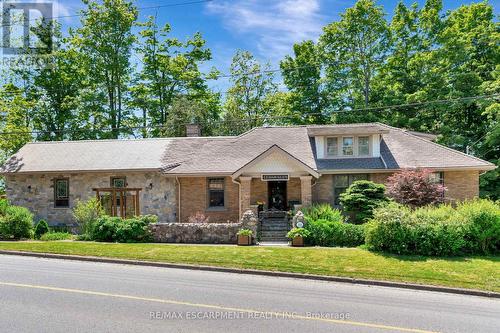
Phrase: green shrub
(104, 228)
(473, 227)
(53, 236)
(322, 212)
(361, 198)
(3, 206)
(116, 229)
(298, 232)
(482, 219)
(86, 213)
(41, 228)
(334, 233)
(16, 223)
(133, 230)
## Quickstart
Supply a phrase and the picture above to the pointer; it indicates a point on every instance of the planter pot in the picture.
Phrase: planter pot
(244, 240)
(298, 241)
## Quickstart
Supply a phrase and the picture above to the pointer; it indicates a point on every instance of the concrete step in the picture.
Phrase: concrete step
(274, 239)
(275, 228)
(274, 233)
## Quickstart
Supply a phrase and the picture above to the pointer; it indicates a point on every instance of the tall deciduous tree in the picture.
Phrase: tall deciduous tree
(302, 76)
(354, 49)
(244, 107)
(106, 40)
(171, 72)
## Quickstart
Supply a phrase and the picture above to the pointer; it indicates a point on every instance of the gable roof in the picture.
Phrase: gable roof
(276, 149)
(226, 155)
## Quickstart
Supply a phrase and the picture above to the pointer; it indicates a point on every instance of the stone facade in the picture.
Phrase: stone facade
(194, 199)
(203, 233)
(159, 200)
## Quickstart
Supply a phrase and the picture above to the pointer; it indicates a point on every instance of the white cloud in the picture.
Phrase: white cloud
(276, 25)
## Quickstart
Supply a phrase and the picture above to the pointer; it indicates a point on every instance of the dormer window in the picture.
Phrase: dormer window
(348, 146)
(363, 145)
(332, 146)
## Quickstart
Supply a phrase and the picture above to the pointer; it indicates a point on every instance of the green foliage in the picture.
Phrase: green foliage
(16, 223)
(334, 233)
(482, 233)
(322, 212)
(473, 227)
(298, 232)
(245, 232)
(41, 228)
(3, 206)
(361, 198)
(54, 236)
(86, 213)
(116, 229)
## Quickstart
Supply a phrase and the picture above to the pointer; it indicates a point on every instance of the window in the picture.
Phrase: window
(348, 146)
(216, 192)
(342, 182)
(61, 193)
(363, 146)
(332, 148)
(437, 177)
(119, 182)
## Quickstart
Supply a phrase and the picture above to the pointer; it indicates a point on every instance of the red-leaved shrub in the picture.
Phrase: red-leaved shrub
(414, 188)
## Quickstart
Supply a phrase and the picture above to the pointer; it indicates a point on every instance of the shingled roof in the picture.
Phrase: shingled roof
(225, 155)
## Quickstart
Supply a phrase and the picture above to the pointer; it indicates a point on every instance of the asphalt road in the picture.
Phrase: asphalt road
(50, 295)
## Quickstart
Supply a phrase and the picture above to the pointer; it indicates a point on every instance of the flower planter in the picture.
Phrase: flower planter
(244, 240)
(298, 241)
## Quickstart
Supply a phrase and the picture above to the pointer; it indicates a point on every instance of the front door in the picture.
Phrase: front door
(277, 195)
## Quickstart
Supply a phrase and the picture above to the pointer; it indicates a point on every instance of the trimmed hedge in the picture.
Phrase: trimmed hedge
(472, 227)
(334, 233)
(116, 229)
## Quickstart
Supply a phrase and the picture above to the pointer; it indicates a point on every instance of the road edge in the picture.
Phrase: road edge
(379, 283)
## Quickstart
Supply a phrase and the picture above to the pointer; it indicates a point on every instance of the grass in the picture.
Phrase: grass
(464, 272)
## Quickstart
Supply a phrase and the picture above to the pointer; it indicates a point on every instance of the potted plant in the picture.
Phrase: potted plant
(297, 236)
(245, 237)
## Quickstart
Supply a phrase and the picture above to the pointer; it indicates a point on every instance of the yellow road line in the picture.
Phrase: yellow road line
(211, 306)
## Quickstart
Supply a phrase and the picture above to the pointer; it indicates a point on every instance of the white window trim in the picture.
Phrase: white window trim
(340, 145)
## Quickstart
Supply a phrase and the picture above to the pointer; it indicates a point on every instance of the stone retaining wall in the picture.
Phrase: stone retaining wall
(203, 233)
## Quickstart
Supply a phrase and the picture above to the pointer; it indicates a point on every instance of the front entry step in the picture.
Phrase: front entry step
(274, 227)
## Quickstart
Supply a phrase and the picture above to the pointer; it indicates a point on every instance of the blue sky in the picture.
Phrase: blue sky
(267, 28)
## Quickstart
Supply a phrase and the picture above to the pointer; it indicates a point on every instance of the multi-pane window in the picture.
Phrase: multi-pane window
(348, 146)
(363, 146)
(342, 182)
(332, 146)
(61, 193)
(437, 177)
(216, 192)
(118, 182)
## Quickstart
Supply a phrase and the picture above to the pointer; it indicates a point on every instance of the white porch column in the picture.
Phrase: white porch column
(245, 193)
(306, 190)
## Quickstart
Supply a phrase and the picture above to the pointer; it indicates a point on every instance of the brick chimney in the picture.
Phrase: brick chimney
(193, 130)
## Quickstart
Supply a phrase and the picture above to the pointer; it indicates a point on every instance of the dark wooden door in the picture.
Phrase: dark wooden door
(277, 195)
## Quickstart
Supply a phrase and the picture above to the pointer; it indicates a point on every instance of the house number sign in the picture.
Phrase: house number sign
(275, 177)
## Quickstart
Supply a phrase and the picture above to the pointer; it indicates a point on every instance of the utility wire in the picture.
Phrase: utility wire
(260, 118)
(138, 8)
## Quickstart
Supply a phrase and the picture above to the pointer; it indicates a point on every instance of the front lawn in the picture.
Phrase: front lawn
(465, 272)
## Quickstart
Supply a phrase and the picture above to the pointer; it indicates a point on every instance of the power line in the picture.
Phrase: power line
(138, 8)
(261, 118)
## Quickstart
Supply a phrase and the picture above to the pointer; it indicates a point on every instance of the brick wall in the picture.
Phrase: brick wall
(160, 200)
(461, 185)
(194, 198)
